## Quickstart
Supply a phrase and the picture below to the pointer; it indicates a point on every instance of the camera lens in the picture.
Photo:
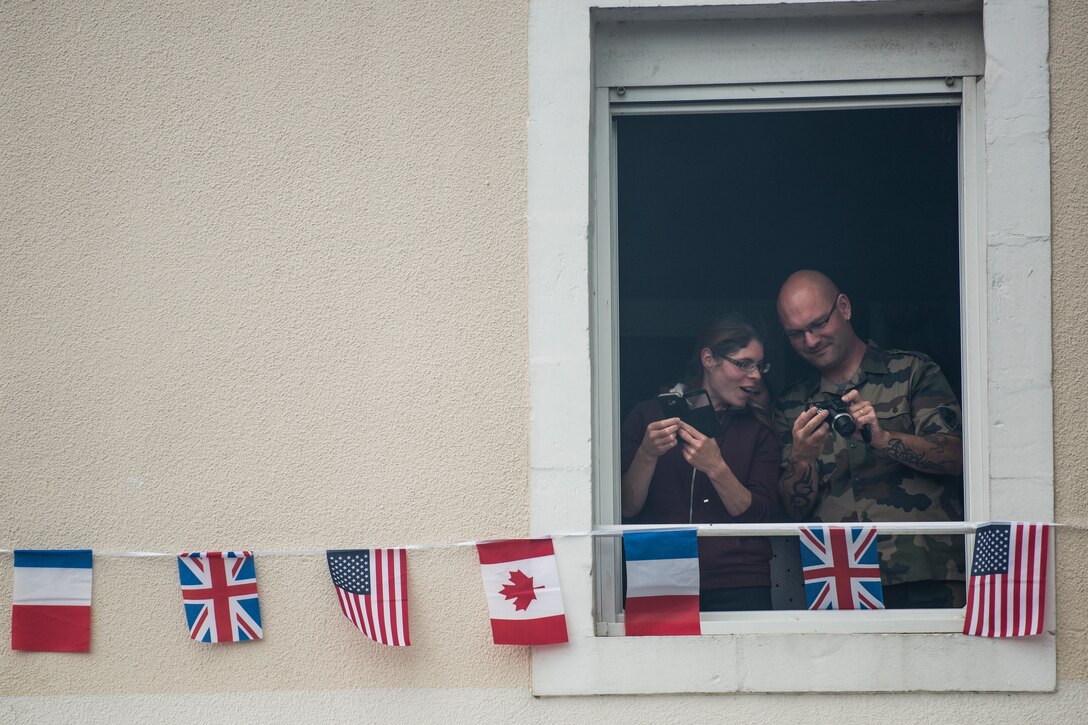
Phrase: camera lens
(843, 424)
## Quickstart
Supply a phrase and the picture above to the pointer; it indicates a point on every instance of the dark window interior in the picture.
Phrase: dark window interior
(715, 210)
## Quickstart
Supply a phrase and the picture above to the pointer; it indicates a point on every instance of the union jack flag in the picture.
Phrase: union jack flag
(840, 567)
(219, 591)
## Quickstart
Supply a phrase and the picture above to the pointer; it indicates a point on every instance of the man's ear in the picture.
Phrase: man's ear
(844, 305)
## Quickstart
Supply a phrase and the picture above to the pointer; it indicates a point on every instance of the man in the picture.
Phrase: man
(911, 468)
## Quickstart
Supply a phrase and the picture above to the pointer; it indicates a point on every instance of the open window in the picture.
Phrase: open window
(715, 194)
(650, 64)
(718, 202)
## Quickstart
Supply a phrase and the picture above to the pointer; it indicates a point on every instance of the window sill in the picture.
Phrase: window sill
(903, 621)
(782, 651)
(794, 663)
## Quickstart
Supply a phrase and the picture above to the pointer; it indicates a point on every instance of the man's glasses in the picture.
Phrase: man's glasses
(749, 366)
(820, 324)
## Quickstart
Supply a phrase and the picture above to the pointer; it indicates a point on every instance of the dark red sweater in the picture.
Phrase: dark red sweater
(753, 454)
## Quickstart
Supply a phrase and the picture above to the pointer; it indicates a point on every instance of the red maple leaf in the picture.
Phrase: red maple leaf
(520, 589)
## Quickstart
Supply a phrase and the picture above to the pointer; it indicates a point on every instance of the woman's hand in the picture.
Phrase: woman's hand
(660, 437)
(704, 454)
(701, 452)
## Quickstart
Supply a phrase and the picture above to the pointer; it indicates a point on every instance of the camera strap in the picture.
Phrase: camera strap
(691, 501)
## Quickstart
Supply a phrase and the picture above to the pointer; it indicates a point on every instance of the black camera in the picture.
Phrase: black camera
(694, 408)
(839, 418)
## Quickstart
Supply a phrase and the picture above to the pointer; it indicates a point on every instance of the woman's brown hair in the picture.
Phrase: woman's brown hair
(724, 336)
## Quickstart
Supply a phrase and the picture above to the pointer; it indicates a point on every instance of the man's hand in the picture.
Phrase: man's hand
(939, 453)
(864, 414)
(800, 481)
(701, 452)
(660, 437)
(809, 435)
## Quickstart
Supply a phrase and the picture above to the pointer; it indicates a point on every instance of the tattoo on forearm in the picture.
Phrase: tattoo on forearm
(800, 490)
(898, 450)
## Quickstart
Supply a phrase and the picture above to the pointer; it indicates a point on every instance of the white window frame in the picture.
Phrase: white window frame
(1005, 288)
(611, 103)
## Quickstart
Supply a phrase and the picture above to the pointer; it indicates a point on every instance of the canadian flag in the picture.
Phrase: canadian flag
(521, 582)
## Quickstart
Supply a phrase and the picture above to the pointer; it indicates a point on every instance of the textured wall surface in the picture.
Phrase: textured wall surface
(495, 705)
(262, 283)
(1069, 158)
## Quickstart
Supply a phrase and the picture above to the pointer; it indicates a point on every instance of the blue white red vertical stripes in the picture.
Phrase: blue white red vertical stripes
(521, 582)
(840, 567)
(662, 583)
(1006, 595)
(51, 601)
(219, 592)
(372, 588)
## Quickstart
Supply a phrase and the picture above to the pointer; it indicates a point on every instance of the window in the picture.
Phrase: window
(733, 55)
(783, 176)
(717, 203)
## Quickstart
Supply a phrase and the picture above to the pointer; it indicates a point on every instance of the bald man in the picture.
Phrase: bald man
(909, 469)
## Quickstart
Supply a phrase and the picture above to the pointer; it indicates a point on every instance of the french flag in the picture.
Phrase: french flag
(51, 603)
(662, 583)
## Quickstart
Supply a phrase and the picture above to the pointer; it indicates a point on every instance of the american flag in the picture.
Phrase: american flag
(1007, 593)
(840, 567)
(372, 586)
(219, 591)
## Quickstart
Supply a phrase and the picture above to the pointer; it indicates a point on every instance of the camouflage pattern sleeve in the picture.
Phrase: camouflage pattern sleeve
(783, 428)
(798, 485)
(934, 407)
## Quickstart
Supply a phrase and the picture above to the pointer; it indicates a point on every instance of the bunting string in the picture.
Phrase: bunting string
(1006, 589)
(776, 529)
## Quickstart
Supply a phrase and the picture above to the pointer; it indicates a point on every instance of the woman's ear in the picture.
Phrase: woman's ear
(707, 357)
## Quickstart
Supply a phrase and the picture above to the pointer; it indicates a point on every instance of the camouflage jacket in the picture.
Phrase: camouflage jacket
(860, 483)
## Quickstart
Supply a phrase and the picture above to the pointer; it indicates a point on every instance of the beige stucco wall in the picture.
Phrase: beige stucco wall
(263, 284)
(1069, 188)
(262, 276)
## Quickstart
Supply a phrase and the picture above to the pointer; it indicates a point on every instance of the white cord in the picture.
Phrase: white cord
(691, 501)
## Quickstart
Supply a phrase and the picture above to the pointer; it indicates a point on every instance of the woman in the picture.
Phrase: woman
(673, 474)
